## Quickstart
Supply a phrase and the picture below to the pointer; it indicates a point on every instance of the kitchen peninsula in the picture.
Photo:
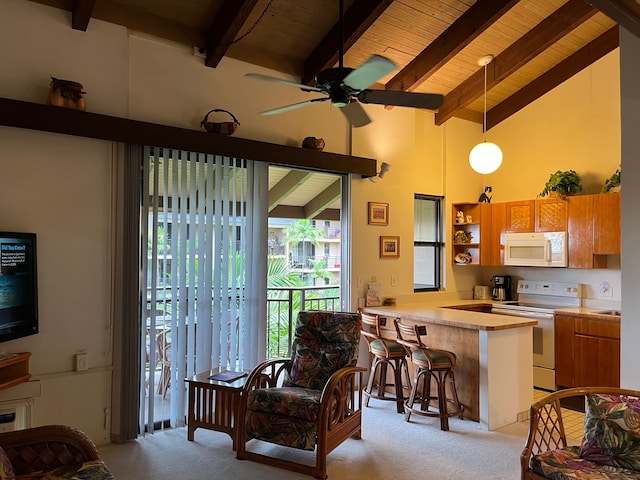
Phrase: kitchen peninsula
(494, 373)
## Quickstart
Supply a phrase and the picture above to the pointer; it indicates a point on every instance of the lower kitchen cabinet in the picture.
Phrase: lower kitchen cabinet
(587, 351)
(564, 331)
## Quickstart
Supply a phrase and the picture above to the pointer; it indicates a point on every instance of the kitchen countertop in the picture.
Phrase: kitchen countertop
(591, 313)
(437, 312)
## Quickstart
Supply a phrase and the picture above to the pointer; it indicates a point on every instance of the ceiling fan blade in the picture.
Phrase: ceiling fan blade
(369, 72)
(267, 78)
(293, 106)
(356, 114)
(430, 101)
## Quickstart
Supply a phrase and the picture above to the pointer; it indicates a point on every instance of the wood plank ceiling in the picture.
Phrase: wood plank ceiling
(536, 44)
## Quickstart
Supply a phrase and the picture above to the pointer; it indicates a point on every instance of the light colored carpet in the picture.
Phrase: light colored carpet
(390, 448)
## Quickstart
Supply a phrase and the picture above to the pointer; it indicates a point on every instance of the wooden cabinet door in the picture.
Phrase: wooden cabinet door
(597, 361)
(520, 216)
(496, 234)
(606, 224)
(550, 215)
(564, 350)
(580, 227)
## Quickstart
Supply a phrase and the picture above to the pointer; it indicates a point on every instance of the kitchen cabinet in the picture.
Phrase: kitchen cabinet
(470, 237)
(495, 252)
(520, 216)
(594, 229)
(550, 215)
(587, 350)
(539, 215)
(592, 223)
(606, 224)
(564, 350)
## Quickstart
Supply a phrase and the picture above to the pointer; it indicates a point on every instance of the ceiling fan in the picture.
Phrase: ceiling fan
(346, 88)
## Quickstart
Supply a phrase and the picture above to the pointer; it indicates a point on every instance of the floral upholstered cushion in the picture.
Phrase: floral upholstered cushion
(92, 470)
(566, 464)
(324, 343)
(612, 431)
(297, 402)
(6, 470)
(282, 430)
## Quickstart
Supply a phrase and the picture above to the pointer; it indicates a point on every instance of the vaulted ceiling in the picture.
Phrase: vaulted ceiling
(536, 44)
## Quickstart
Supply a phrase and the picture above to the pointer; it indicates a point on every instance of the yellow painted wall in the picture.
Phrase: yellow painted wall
(575, 126)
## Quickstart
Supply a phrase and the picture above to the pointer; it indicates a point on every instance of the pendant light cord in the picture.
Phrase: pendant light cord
(484, 117)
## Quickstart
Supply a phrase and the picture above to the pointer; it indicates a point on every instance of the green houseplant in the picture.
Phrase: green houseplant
(612, 182)
(564, 183)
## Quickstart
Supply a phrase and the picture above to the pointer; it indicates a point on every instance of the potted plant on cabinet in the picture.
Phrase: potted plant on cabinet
(612, 183)
(563, 183)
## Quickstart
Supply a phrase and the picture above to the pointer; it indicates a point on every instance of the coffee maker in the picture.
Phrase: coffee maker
(501, 288)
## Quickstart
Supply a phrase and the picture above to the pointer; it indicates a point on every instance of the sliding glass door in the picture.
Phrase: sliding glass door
(231, 250)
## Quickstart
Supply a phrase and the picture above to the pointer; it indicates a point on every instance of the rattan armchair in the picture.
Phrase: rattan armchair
(42, 449)
(547, 430)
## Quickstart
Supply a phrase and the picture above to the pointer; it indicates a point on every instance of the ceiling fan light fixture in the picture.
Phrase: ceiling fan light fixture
(485, 157)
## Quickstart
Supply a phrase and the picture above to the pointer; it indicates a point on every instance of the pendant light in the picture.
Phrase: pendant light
(485, 157)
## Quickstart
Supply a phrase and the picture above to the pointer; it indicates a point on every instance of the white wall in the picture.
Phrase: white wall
(59, 187)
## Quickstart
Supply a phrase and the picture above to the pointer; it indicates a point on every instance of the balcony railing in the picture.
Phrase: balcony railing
(283, 306)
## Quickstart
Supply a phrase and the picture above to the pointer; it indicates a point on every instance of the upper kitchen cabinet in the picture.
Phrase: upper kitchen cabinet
(471, 233)
(606, 224)
(551, 215)
(594, 229)
(539, 215)
(519, 216)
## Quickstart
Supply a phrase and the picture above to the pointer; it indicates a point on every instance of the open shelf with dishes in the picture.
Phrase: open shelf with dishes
(467, 232)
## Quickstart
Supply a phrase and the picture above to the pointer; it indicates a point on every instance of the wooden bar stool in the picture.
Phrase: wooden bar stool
(384, 353)
(430, 364)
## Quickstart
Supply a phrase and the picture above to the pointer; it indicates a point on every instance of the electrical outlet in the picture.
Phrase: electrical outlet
(82, 362)
(199, 52)
(606, 290)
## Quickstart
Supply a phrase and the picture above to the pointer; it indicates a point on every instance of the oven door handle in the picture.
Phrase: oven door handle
(522, 313)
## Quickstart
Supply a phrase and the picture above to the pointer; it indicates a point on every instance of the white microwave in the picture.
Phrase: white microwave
(536, 249)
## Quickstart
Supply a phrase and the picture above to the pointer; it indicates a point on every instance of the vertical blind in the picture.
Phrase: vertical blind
(204, 221)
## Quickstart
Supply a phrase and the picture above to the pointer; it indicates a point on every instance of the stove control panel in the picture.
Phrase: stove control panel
(555, 289)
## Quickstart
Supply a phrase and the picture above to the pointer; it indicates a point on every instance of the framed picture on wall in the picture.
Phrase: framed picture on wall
(378, 213)
(389, 247)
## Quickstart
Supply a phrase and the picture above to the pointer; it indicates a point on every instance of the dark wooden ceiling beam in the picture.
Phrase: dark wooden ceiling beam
(47, 118)
(538, 39)
(81, 11)
(461, 33)
(580, 60)
(228, 22)
(357, 20)
(625, 12)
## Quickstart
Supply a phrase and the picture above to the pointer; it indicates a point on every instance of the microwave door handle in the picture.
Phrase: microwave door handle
(547, 250)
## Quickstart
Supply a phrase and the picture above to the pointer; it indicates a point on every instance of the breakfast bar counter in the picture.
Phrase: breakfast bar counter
(494, 371)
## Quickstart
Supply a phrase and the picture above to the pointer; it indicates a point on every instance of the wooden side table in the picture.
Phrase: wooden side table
(213, 404)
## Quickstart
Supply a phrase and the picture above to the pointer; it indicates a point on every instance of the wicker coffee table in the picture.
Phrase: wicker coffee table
(213, 404)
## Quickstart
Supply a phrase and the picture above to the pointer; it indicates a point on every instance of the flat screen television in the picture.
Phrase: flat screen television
(18, 285)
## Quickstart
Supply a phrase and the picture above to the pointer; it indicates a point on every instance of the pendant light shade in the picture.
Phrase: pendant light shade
(485, 157)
